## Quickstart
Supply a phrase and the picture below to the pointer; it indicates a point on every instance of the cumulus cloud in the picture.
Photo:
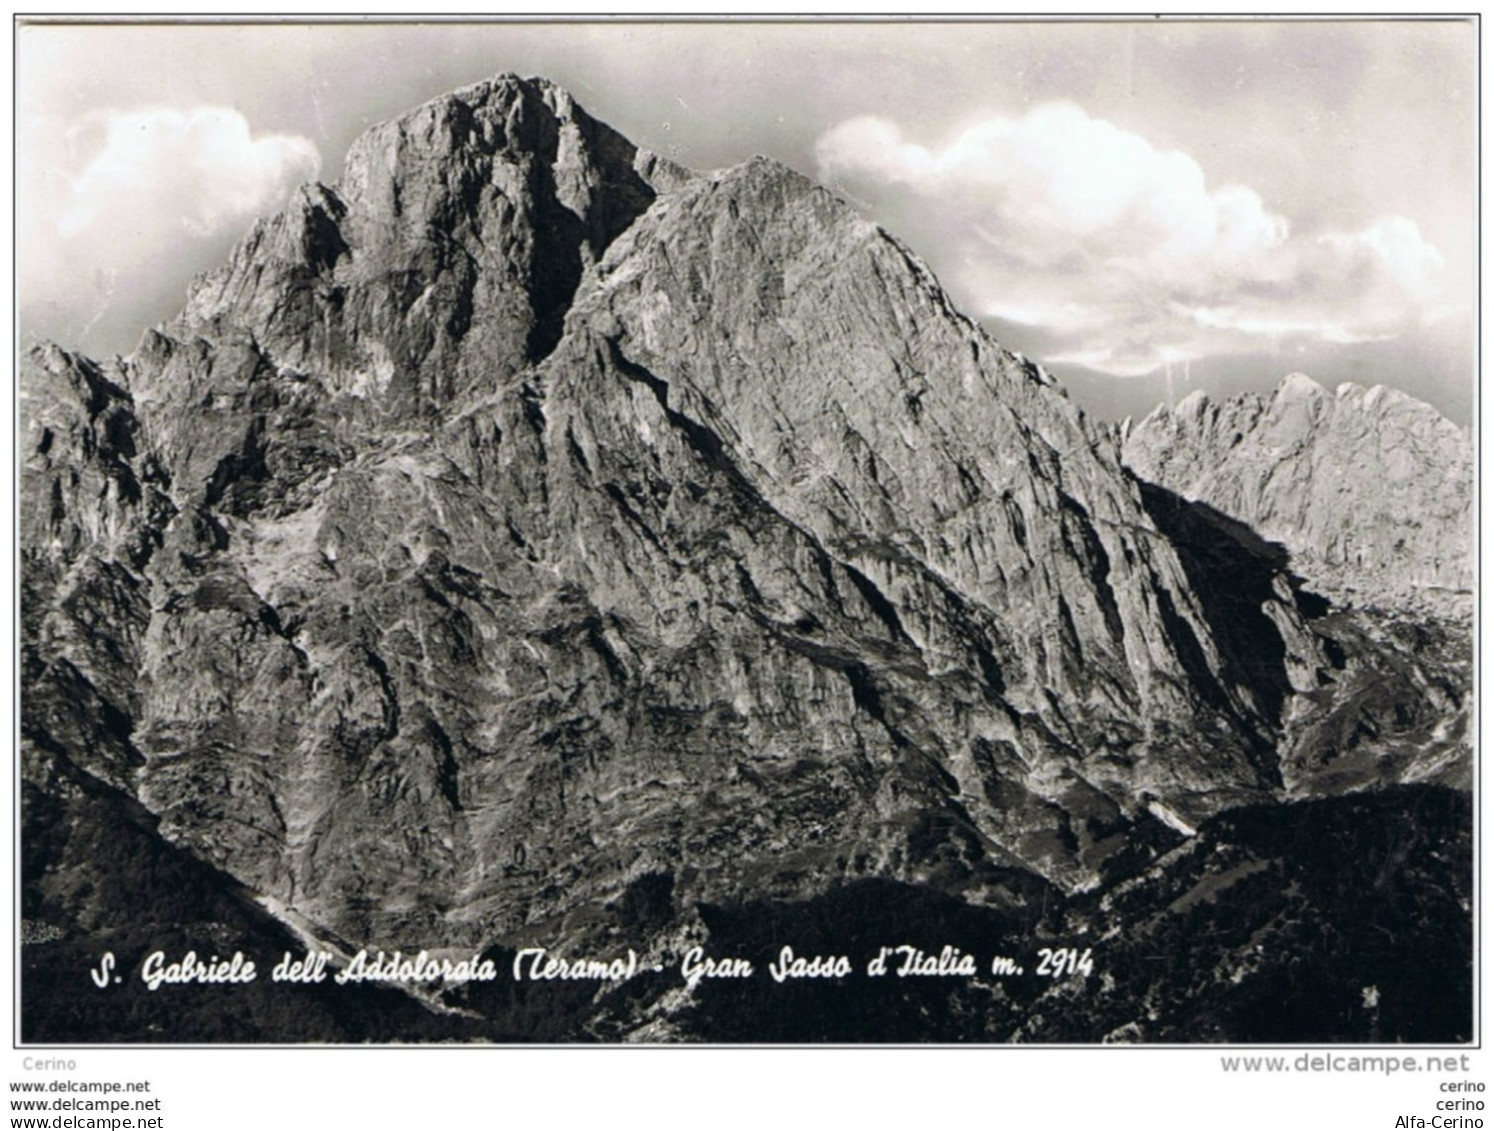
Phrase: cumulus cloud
(1075, 225)
(196, 170)
(129, 192)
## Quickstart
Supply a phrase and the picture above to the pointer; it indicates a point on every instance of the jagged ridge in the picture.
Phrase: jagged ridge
(1370, 490)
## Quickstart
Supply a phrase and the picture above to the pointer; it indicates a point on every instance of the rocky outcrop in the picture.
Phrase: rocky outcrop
(1370, 490)
(1365, 497)
(445, 257)
(526, 539)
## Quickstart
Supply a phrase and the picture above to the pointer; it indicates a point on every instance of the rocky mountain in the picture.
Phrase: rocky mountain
(1370, 490)
(1366, 495)
(525, 541)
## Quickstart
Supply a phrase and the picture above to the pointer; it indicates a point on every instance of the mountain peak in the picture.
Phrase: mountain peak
(766, 186)
(498, 92)
(446, 256)
(760, 167)
(1193, 404)
(1371, 489)
(1298, 386)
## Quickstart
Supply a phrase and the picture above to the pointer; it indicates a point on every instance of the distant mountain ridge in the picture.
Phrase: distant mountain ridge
(1370, 489)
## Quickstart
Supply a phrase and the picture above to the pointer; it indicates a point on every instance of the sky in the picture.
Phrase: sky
(1145, 207)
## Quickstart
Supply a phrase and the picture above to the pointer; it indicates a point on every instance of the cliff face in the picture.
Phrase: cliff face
(446, 256)
(1366, 495)
(527, 539)
(1370, 490)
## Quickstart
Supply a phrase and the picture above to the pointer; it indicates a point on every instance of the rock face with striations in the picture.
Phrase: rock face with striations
(527, 540)
(1370, 490)
(1368, 496)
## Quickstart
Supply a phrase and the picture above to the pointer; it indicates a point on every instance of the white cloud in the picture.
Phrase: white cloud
(197, 171)
(113, 198)
(1125, 250)
(1395, 248)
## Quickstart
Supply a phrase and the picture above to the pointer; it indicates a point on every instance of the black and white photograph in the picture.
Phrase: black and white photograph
(813, 532)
